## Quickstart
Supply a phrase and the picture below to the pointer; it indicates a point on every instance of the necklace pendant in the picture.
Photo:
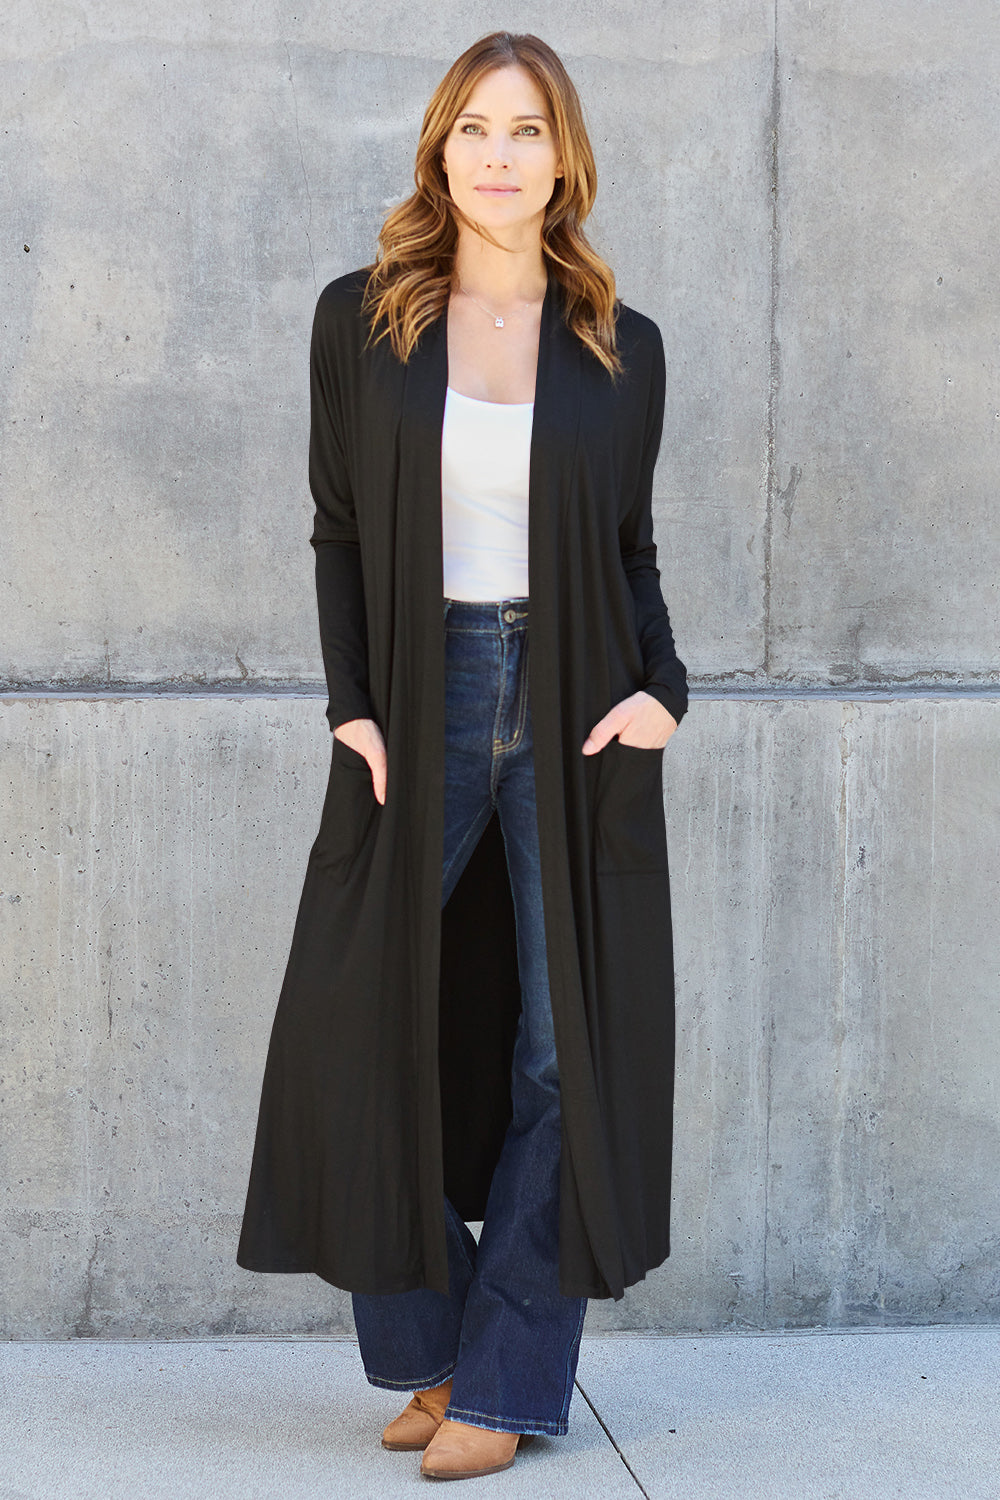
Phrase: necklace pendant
(498, 323)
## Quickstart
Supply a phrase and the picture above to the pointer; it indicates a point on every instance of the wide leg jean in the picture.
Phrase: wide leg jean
(505, 1333)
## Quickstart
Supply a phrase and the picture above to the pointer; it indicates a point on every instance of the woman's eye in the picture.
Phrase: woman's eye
(470, 125)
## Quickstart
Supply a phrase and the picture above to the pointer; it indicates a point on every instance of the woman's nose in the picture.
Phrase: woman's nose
(498, 154)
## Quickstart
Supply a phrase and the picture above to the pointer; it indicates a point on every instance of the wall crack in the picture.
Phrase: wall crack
(302, 164)
(774, 350)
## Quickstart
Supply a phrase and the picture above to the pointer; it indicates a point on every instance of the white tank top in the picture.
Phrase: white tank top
(485, 448)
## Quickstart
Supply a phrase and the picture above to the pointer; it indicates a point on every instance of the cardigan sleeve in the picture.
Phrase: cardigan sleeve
(340, 590)
(666, 677)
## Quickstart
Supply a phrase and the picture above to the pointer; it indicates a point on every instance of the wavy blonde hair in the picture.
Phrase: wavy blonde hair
(410, 282)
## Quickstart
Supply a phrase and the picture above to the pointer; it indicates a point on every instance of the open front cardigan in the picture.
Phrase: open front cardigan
(387, 1081)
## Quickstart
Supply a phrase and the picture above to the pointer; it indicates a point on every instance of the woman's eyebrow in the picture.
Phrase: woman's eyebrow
(468, 115)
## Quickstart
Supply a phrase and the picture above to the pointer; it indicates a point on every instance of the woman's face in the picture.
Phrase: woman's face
(501, 157)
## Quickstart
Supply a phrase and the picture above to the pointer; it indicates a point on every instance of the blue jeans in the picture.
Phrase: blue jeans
(505, 1333)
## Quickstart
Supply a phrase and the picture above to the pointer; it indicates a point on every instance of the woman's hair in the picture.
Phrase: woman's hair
(409, 283)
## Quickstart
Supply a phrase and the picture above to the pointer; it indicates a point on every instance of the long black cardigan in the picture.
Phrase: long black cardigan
(387, 1079)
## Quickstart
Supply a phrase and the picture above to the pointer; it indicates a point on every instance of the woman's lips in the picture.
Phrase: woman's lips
(498, 192)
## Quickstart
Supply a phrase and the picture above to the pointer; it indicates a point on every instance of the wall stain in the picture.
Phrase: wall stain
(84, 1328)
(787, 495)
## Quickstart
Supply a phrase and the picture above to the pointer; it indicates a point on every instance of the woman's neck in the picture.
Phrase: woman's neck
(503, 277)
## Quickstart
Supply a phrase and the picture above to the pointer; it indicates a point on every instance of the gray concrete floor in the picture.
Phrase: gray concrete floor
(808, 1416)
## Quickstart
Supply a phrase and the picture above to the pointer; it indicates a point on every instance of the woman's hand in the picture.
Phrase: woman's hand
(364, 736)
(640, 721)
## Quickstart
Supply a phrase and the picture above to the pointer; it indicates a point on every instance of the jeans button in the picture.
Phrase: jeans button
(509, 615)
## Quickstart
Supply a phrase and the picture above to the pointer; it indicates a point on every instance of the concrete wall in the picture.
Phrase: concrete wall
(801, 196)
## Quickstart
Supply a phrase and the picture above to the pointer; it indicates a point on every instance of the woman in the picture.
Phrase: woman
(477, 1016)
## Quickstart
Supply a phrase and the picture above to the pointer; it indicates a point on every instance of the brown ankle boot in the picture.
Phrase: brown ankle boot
(461, 1451)
(417, 1424)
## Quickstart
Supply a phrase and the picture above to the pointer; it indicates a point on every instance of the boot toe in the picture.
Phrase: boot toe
(460, 1451)
(419, 1421)
(410, 1431)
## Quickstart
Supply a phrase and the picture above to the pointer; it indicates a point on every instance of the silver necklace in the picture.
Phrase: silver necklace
(497, 321)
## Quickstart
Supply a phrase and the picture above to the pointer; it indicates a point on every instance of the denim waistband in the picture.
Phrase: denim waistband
(486, 614)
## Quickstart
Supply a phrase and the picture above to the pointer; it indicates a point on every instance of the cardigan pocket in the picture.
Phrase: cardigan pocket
(629, 825)
(348, 811)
